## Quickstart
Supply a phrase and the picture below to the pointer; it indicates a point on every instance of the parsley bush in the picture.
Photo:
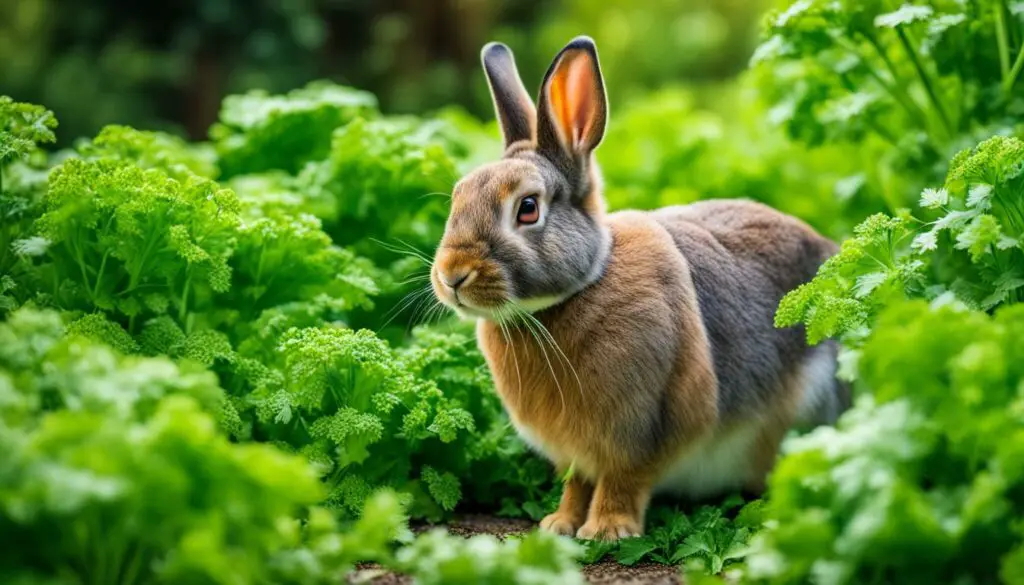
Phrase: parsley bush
(165, 333)
(921, 481)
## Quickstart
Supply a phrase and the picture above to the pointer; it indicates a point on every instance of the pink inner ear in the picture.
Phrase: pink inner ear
(582, 87)
(573, 97)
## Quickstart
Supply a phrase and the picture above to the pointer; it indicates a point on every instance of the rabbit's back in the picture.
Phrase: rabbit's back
(744, 257)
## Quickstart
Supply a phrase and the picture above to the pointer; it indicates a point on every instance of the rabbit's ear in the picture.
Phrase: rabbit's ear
(516, 113)
(573, 108)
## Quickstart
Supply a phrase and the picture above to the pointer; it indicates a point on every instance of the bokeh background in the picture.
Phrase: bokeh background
(167, 65)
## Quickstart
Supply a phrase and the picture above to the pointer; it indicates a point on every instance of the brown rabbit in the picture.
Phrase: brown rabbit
(636, 347)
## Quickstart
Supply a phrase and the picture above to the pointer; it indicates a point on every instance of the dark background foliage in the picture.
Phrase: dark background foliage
(167, 65)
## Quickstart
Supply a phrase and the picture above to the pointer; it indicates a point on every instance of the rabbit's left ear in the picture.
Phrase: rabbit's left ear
(512, 104)
(572, 107)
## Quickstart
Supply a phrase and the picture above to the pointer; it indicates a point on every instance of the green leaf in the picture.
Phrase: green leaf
(934, 198)
(632, 550)
(904, 15)
(597, 549)
(443, 487)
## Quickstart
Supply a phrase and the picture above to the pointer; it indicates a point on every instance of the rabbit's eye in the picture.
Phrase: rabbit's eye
(529, 210)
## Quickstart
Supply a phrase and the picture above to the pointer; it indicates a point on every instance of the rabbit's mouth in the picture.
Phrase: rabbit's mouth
(475, 293)
(469, 310)
(507, 311)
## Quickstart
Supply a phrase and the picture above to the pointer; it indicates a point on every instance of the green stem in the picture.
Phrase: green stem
(1004, 49)
(925, 80)
(1014, 214)
(6, 243)
(259, 265)
(880, 130)
(1011, 78)
(100, 565)
(80, 260)
(136, 275)
(183, 309)
(896, 88)
(99, 274)
(131, 571)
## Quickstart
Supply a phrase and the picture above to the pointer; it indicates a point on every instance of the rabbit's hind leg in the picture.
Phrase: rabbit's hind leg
(811, 398)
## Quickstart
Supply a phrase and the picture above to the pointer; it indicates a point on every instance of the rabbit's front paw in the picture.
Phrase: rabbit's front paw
(560, 523)
(610, 527)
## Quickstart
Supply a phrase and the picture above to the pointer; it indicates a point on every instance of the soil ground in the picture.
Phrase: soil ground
(604, 573)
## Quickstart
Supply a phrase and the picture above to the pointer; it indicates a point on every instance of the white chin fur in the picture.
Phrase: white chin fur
(539, 303)
(529, 305)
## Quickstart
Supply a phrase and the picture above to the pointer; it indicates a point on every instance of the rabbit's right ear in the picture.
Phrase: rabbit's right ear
(516, 112)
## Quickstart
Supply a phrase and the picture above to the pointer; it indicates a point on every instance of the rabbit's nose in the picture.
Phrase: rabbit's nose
(454, 280)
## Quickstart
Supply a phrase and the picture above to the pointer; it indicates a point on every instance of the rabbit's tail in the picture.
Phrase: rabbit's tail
(824, 397)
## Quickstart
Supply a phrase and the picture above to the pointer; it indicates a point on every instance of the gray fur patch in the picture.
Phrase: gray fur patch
(742, 263)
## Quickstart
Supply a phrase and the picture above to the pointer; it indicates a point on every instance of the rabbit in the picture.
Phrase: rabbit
(635, 348)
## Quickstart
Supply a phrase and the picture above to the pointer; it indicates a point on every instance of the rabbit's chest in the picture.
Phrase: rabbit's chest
(548, 421)
(543, 397)
(542, 442)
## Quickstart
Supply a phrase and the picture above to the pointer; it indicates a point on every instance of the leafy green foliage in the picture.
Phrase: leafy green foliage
(385, 179)
(670, 148)
(345, 398)
(90, 436)
(921, 481)
(24, 128)
(870, 269)
(149, 255)
(282, 258)
(971, 251)
(136, 242)
(925, 78)
(379, 186)
(978, 238)
(177, 158)
(716, 535)
(261, 132)
(369, 416)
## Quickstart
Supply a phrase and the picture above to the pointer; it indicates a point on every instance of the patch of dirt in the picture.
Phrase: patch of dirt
(472, 524)
(372, 574)
(609, 572)
(606, 572)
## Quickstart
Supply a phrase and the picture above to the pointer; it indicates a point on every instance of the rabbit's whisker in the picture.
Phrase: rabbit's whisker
(423, 307)
(554, 344)
(416, 251)
(518, 314)
(405, 249)
(507, 336)
(437, 313)
(414, 278)
(515, 358)
(436, 193)
(413, 297)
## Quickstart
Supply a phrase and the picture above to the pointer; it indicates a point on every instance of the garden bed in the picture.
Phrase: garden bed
(606, 572)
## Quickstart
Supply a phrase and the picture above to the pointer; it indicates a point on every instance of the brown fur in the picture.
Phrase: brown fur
(586, 421)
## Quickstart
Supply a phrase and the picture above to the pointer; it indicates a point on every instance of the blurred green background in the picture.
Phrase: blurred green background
(689, 118)
(167, 65)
